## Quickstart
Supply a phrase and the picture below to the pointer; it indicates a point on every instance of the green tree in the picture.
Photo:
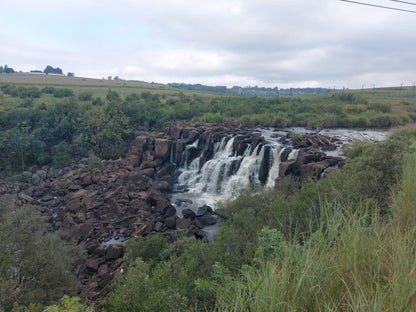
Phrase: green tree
(35, 266)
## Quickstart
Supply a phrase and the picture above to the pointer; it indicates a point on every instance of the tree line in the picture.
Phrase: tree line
(48, 70)
(54, 125)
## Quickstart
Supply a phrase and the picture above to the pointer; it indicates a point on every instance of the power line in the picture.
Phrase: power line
(405, 2)
(378, 6)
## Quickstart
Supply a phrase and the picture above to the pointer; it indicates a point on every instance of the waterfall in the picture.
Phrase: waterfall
(226, 173)
(275, 163)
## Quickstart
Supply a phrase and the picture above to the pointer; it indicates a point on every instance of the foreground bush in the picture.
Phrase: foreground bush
(353, 263)
(35, 266)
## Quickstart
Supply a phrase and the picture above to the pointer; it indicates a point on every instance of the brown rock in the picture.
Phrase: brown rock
(160, 227)
(114, 251)
(149, 172)
(85, 178)
(171, 222)
(183, 223)
(83, 230)
(100, 250)
(103, 270)
(164, 186)
(288, 167)
(74, 205)
(92, 265)
(162, 149)
(92, 246)
(95, 175)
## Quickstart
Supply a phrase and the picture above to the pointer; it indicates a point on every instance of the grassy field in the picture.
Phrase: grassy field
(40, 79)
(397, 96)
(98, 87)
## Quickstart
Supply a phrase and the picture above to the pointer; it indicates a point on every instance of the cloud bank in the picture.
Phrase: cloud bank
(321, 43)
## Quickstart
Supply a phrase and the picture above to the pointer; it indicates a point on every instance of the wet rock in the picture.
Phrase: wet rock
(203, 210)
(207, 220)
(181, 201)
(188, 213)
(285, 154)
(288, 167)
(182, 189)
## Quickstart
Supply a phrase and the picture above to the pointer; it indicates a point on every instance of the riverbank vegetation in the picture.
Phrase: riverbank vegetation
(344, 243)
(54, 125)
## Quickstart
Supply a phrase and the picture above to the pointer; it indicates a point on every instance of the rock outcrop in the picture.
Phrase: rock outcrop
(128, 197)
(310, 163)
(124, 198)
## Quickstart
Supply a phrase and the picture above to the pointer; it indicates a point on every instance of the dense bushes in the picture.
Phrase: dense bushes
(55, 125)
(35, 266)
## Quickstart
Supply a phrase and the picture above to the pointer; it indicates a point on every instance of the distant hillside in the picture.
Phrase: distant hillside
(251, 91)
(37, 78)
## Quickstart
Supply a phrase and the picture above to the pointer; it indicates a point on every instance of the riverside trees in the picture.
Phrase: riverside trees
(35, 266)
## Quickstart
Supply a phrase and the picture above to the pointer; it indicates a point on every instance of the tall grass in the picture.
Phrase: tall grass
(352, 262)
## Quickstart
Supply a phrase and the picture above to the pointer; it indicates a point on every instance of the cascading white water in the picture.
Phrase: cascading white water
(226, 173)
(274, 168)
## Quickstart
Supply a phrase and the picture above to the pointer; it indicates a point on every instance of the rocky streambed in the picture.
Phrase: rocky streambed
(102, 207)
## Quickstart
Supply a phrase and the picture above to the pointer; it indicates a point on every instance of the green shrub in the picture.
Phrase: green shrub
(69, 304)
(67, 183)
(42, 271)
(380, 107)
(94, 162)
(25, 177)
(149, 249)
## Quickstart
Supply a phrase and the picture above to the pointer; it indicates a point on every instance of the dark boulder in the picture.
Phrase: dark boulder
(207, 220)
(114, 251)
(203, 210)
(188, 213)
(183, 223)
(91, 265)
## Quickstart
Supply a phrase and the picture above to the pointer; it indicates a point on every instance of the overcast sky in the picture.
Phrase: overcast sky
(291, 43)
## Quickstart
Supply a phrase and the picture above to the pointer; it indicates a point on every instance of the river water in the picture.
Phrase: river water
(223, 176)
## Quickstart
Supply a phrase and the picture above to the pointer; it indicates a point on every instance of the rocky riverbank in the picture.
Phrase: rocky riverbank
(104, 204)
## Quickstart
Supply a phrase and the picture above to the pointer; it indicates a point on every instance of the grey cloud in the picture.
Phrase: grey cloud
(271, 42)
